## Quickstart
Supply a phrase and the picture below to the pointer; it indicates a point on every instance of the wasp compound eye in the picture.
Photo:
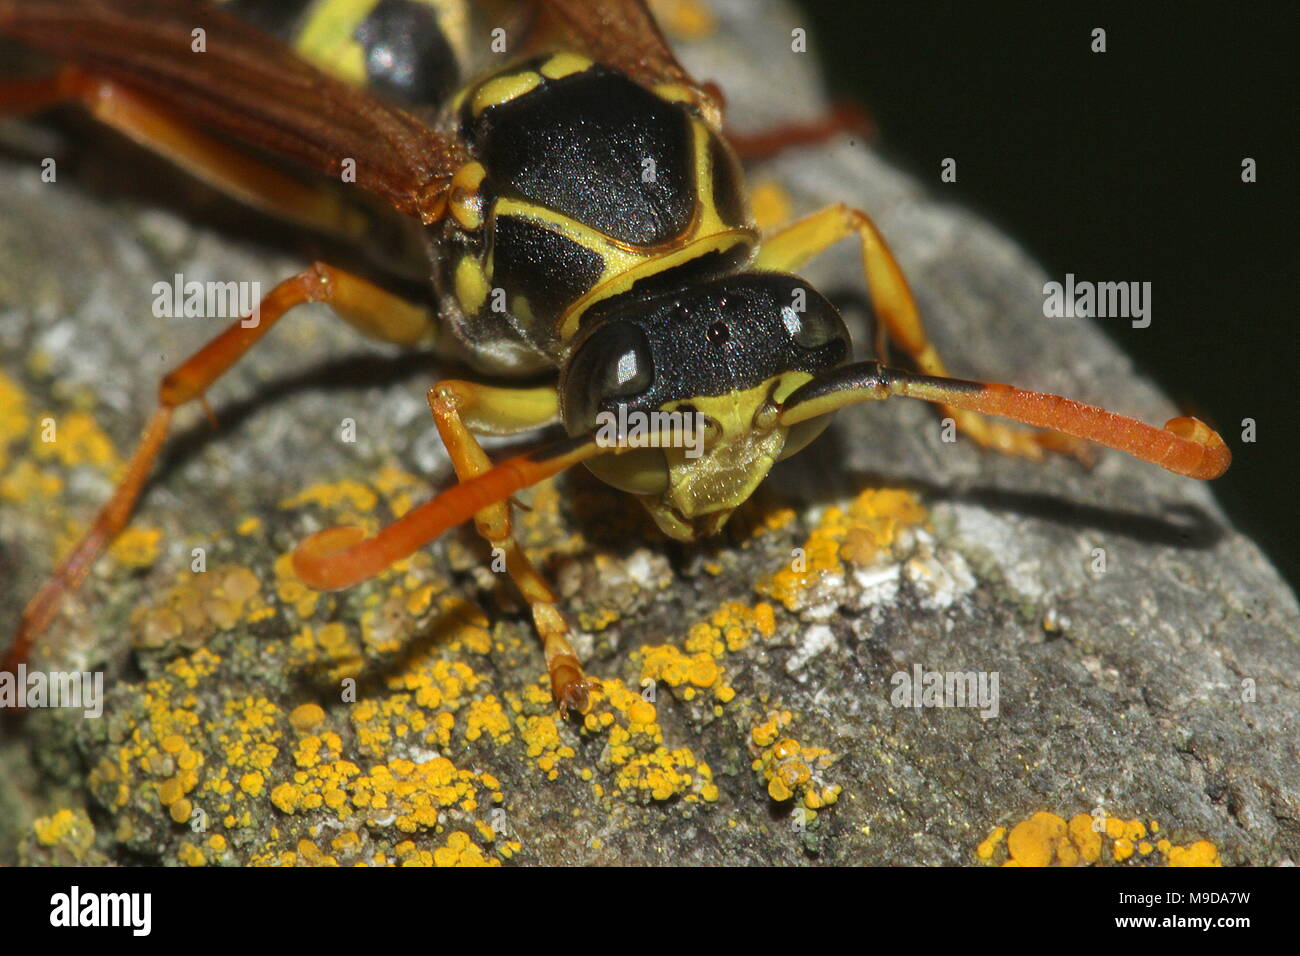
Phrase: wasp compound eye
(628, 375)
(613, 366)
(813, 327)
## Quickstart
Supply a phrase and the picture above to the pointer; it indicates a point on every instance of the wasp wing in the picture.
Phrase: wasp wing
(623, 34)
(227, 76)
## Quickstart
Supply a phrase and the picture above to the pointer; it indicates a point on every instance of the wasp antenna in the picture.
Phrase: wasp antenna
(341, 557)
(1186, 446)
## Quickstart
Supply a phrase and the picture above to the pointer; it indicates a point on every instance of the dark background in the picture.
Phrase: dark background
(1121, 166)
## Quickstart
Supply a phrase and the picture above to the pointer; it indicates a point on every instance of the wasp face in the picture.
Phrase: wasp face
(693, 380)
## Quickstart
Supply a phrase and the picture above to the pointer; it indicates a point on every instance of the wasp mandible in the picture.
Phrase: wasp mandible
(524, 198)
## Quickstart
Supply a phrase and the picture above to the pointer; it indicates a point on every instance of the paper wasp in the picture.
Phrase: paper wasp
(548, 249)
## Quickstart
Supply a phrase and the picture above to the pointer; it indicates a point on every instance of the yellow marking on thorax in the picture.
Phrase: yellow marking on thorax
(616, 255)
(677, 93)
(626, 265)
(471, 285)
(503, 89)
(565, 64)
(623, 264)
(704, 180)
(463, 199)
(674, 93)
(648, 265)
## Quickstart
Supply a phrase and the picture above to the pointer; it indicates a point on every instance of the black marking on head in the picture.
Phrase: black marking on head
(408, 58)
(596, 147)
(547, 269)
(693, 271)
(726, 335)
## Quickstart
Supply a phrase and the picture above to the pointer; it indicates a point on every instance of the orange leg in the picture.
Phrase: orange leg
(340, 557)
(452, 402)
(365, 306)
(336, 557)
(896, 309)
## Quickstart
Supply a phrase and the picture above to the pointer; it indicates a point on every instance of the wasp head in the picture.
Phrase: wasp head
(692, 382)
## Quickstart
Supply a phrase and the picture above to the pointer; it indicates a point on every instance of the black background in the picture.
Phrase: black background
(1121, 166)
(231, 905)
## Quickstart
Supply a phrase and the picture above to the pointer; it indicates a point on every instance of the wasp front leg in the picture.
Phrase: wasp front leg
(791, 247)
(461, 409)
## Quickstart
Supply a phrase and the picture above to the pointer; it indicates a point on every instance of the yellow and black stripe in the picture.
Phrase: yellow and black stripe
(584, 185)
(411, 51)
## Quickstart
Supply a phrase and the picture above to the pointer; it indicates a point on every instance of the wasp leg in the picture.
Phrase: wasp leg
(791, 247)
(229, 170)
(460, 409)
(367, 307)
(843, 118)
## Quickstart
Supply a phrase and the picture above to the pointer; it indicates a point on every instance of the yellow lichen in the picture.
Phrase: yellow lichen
(789, 769)
(68, 828)
(1200, 853)
(461, 851)
(198, 606)
(1045, 839)
(15, 421)
(487, 716)
(290, 589)
(986, 849)
(136, 547)
(25, 482)
(350, 494)
(306, 717)
(191, 855)
(1085, 838)
(76, 440)
(181, 810)
(858, 534)
(1033, 842)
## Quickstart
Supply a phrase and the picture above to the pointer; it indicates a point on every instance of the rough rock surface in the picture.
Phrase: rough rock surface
(1146, 654)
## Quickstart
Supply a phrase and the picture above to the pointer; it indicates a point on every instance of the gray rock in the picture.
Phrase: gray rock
(1163, 687)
